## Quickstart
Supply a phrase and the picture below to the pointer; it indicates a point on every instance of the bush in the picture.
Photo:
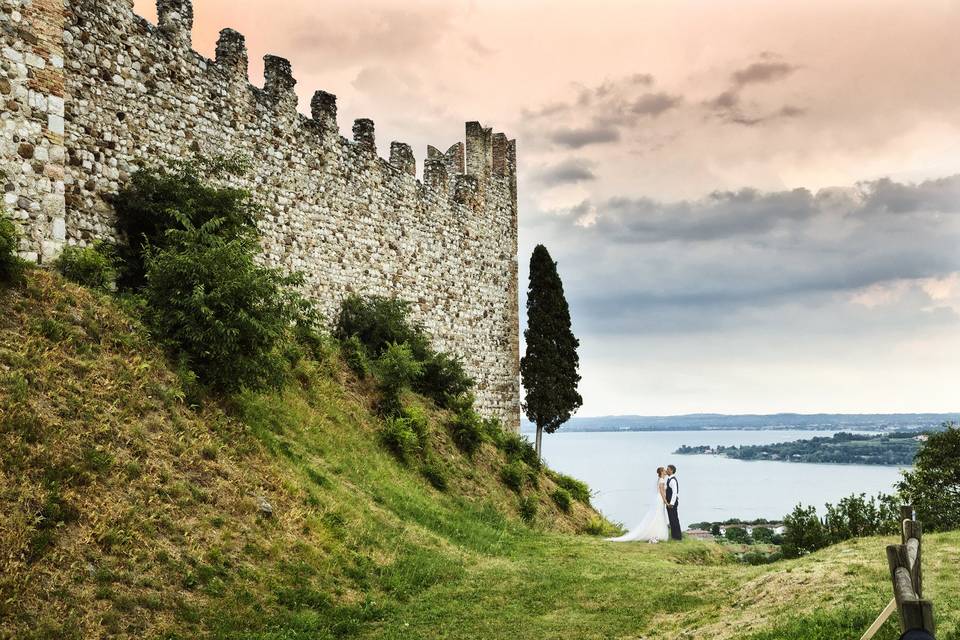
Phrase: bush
(528, 508)
(516, 447)
(597, 526)
(513, 475)
(11, 267)
(433, 471)
(466, 430)
(419, 423)
(399, 437)
(158, 200)
(578, 490)
(444, 378)
(87, 266)
(377, 322)
(758, 557)
(396, 370)
(227, 316)
(562, 498)
(355, 355)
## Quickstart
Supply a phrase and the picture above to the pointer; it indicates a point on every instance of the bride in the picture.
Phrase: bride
(654, 526)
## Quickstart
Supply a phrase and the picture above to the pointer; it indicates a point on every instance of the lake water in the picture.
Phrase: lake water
(621, 469)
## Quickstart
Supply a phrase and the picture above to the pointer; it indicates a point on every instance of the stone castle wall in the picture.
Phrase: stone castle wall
(91, 90)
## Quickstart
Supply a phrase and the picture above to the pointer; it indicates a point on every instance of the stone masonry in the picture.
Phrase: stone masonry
(91, 91)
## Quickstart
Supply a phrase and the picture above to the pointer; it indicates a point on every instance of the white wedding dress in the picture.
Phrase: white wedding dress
(654, 526)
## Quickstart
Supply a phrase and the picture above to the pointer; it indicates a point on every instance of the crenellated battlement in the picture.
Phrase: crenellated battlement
(100, 90)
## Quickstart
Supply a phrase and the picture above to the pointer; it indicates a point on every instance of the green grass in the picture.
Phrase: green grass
(124, 513)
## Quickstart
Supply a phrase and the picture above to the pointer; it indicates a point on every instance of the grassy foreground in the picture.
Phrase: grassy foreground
(124, 513)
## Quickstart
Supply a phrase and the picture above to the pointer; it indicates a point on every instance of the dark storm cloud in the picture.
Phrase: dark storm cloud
(569, 171)
(677, 266)
(577, 138)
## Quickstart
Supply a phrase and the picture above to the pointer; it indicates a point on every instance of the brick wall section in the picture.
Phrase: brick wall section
(350, 220)
(32, 141)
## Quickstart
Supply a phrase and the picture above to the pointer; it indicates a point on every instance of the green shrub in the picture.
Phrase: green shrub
(562, 498)
(396, 370)
(578, 490)
(528, 508)
(399, 437)
(158, 200)
(11, 266)
(355, 355)
(443, 378)
(378, 322)
(433, 471)
(419, 423)
(225, 315)
(513, 476)
(758, 557)
(519, 448)
(87, 266)
(597, 526)
(466, 430)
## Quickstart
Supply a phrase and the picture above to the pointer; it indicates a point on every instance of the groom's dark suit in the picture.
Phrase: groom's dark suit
(673, 502)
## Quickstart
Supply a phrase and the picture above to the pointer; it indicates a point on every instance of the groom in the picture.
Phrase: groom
(673, 500)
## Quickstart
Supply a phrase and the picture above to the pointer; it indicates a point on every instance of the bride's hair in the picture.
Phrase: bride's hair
(659, 471)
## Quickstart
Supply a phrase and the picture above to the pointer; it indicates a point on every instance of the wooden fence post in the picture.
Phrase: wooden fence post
(904, 561)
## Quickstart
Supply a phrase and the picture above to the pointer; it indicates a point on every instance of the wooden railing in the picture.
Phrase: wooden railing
(916, 614)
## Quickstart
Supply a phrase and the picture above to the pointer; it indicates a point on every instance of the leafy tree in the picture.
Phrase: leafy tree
(856, 516)
(738, 535)
(715, 530)
(549, 367)
(804, 532)
(933, 485)
(763, 534)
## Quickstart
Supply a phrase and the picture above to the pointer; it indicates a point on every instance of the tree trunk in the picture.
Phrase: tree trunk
(539, 439)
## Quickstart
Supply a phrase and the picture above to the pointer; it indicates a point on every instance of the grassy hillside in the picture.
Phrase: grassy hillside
(126, 513)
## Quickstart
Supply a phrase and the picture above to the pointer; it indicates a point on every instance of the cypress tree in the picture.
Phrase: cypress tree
(549, 367)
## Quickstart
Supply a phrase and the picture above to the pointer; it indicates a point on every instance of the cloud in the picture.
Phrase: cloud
(577, 138)
(569, 171)
(762, 72)
(728, 105)
(376, 32)
(747, 256)
(654, 104)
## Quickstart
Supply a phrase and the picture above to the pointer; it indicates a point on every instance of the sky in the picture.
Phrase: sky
(754, 206)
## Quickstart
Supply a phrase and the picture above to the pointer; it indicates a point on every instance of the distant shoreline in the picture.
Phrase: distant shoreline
(875, 422)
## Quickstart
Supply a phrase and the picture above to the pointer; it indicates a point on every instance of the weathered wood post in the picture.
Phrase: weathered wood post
(907, 577)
